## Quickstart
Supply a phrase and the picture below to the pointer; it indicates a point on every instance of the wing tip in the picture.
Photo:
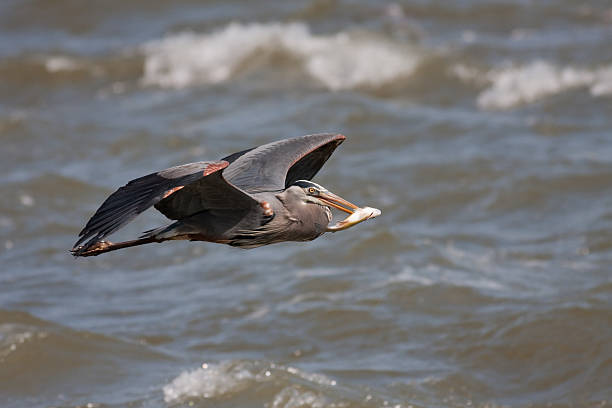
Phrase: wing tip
(339, 138)
(330, 137)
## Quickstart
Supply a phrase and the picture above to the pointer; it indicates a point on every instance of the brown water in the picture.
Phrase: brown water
(481, 129)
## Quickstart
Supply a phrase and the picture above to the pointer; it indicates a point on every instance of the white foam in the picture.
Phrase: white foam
(230, 377)
(312, 377)
(59, 64)
(514, 85)
(212, 380)
(338, 61)
(603, 83)
(293, 397)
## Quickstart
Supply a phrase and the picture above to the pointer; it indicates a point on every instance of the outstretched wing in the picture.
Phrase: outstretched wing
(212, 192)
(140, 194)
(275, 166)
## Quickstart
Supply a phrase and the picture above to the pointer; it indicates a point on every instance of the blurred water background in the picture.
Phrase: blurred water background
(481, 128)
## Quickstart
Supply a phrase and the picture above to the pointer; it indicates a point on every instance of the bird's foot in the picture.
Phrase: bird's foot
(95, 249)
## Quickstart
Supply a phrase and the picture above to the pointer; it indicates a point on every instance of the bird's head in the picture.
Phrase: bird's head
(305, 199)
(314, 193)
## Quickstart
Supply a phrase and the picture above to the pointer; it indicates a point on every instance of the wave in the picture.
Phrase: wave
(209, 381)
(339, 61)
(514, 85)
(58, 63)
(39, 357)
(229, 378)
(344, 60)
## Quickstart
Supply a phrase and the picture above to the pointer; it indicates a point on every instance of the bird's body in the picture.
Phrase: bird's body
(254, 231)
(286, 225)
(251, 198)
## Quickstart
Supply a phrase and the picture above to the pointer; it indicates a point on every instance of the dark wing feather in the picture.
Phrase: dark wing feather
(208, 193)
(273, 166)
(310, 164)
(140, 194)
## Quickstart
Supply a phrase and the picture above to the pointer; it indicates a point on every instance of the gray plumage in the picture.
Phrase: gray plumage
(248, 199)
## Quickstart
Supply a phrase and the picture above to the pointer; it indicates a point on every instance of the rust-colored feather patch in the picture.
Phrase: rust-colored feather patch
(172, 190)
(268, 212)
(213, 167)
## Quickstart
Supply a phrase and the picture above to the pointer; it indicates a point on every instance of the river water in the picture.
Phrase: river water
(480, 128)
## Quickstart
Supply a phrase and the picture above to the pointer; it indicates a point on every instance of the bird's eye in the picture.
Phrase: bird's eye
(311, 190)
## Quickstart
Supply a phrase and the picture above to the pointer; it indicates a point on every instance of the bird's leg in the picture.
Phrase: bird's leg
(359, 215)
(107, 246)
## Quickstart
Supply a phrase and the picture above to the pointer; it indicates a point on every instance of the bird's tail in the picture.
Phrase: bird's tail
(101, 247)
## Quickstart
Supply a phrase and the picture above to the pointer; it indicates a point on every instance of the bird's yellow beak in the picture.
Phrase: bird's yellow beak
(356, 216)
(338, 202)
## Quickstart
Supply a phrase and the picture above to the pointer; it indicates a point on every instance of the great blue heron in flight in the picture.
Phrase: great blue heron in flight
(255, 197)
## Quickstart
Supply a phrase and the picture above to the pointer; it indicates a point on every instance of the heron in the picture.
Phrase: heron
(255, 197)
